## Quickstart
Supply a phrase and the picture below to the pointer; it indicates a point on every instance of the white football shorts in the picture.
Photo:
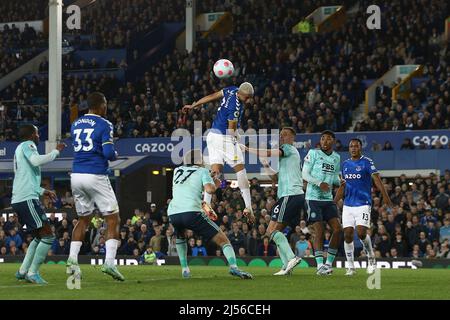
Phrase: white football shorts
(222, 149)
(356, 216)
(93, 191)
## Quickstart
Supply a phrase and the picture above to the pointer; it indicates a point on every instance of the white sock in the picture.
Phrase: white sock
(111, 250)
(367, 242)
(207, 197)
(244, 187)
(349, 249)
(75, 247)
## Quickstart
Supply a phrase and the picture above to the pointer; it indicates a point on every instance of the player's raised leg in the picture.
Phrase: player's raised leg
(216, 172)
(242, 179)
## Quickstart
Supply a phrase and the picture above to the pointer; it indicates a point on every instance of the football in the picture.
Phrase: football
(223, 68)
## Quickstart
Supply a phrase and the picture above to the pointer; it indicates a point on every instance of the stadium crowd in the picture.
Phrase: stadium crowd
(418, 226)
(310, 82)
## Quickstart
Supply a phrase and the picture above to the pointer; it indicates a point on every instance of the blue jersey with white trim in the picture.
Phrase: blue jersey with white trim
(358, 177)
(230, 109)
(90, 133)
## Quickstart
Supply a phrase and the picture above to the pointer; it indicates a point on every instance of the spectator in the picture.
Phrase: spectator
(295, 236)
(13, 237)
(423, 242)
(301, 246)
(266, 249)
(387, 146)
(253, 243)
(236, 237)
(400, 245)
(444, 232)
(242, 253)
(149, 257)
(442, 200)
(407, 145)
(144, 234)
(199, 249)
(155, 241)
(60, 247)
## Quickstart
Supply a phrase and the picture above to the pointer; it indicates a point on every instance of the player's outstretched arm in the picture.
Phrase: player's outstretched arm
(37, 159)
(379, 184)
(272, 173)
(307, 169)
(262, 152)
(210, 98)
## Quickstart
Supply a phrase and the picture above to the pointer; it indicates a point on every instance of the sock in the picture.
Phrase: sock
(318, 255)
(367, 243)
(331, 254)
(283, 245)
(244, 187)
(29, 256)
(283, 257)
(207, 197)
(40, 253)
(75, 247)
(349, 248)
(111, 251)
(182, 252)
(228, 252)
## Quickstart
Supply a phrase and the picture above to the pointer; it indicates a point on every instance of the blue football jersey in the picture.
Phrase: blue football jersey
(230, 109)
(90, 133)
(358, 177)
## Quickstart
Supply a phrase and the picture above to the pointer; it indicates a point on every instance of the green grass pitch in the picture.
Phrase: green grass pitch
(165, 282)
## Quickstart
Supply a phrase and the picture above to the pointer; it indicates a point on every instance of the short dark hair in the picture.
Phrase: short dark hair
(290, 129)
(329, 132)
(356, 139)
(26, 131)
(95, 100)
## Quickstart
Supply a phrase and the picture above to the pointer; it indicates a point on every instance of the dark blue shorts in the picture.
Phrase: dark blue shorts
(320, 210)
(30, 214)
(288, 209)
(195, 221)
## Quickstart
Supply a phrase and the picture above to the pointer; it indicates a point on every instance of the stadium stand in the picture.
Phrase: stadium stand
(310, 82)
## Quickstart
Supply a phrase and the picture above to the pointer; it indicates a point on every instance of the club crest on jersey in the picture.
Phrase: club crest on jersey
(358, 168)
